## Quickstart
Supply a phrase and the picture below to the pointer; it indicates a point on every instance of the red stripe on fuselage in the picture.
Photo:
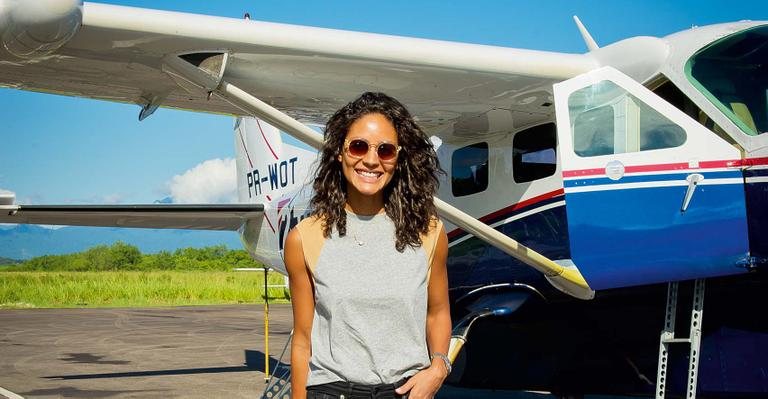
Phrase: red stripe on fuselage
(755, 162)
(664, 167)
(511, 208)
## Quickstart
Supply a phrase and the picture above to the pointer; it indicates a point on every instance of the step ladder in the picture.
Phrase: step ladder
(668, 338)
(279, 383)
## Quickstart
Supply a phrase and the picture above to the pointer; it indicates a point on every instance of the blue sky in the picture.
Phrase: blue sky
(66, 150)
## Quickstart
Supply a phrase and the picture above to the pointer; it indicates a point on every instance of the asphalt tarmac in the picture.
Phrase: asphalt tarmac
(174, 352)
(186, 352)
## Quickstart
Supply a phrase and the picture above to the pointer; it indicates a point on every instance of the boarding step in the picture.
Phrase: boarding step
(279, 383)
(668, 338)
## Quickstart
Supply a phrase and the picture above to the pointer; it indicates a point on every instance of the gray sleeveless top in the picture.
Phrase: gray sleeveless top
(369, 325)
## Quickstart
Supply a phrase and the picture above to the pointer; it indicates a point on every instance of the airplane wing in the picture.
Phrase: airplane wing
(135, 55)
(195, 217)
(117, 53)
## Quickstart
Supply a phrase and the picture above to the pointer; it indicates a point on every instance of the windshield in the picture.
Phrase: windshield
(733, 73)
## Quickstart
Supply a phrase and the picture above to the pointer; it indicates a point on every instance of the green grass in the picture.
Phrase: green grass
(134, 288)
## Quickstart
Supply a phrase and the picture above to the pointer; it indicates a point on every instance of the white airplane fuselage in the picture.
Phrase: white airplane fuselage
(641, 173)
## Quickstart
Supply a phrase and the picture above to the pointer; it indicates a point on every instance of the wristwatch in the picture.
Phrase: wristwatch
(445, 360)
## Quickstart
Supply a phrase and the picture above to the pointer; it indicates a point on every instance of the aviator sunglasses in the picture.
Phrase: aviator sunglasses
(358, 148)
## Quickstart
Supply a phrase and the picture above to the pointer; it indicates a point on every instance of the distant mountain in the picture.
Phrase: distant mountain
(27, 241)
(7, 261)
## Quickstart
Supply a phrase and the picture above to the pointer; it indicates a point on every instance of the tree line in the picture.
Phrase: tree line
(125, 257)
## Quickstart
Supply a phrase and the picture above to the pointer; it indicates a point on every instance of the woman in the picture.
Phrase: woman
(367, 270)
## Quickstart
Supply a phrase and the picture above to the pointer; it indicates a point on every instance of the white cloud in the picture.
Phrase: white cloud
(112, 199)
(213, 181)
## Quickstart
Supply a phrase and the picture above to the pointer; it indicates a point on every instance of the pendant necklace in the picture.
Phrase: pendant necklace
(358, 241)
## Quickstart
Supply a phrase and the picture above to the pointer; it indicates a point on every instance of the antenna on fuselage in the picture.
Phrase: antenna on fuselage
(588, 40)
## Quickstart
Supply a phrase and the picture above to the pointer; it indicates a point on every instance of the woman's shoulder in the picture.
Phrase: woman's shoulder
(434, 230)
(309, 232)
(310, 224)
(435, 225)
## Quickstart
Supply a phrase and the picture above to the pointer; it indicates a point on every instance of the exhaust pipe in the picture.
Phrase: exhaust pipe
(461, 331)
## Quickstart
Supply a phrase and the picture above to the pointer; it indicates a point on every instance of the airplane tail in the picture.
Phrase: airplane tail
(273, 173)
(258, 149)
(267, 167)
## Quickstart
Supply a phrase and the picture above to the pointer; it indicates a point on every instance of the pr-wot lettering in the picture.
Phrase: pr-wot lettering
(279, 175)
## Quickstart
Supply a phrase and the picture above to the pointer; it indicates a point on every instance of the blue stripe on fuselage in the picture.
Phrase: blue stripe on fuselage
(599, 181)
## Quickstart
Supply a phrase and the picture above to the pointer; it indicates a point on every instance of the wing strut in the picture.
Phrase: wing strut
(566, 279)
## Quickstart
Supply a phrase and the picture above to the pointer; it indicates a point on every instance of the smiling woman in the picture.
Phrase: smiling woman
(367, 269)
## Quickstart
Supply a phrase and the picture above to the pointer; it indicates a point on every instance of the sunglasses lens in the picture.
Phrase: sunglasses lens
(358, 148)
(386, 151)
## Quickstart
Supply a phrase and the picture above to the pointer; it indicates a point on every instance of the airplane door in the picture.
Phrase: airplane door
(651, 195)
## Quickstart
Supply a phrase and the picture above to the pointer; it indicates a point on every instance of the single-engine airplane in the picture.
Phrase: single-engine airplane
(580, 188)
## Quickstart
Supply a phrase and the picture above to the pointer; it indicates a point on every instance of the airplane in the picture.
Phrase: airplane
(587, 196)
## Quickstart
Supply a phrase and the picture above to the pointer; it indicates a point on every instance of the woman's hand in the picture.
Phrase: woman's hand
(425, 383)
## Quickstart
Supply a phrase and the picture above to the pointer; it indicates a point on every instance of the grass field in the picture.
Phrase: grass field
(134, 288)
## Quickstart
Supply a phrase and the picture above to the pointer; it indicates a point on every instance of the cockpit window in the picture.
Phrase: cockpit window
(733, 73)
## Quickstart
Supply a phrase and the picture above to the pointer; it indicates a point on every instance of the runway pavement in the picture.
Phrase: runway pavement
(186, 352)
(175, 352)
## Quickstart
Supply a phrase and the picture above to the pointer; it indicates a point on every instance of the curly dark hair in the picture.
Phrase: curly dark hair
(408, 198)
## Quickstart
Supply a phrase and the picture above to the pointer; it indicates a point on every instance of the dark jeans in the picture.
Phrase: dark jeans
(348, 390)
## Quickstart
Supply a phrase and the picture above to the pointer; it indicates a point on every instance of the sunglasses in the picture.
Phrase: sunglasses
(359, 148)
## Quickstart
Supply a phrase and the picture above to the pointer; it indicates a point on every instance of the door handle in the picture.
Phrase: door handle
(693, 181)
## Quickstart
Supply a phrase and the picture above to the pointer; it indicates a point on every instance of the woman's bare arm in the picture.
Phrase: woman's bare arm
(303, 303)
(427, 382)
(438, 308)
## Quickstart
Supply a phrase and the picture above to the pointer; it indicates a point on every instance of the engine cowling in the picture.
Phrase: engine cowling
(32, 29)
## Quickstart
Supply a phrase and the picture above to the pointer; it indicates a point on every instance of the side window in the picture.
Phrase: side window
(469, 169)
(534, 154)
(609, 120)
(593, 132)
